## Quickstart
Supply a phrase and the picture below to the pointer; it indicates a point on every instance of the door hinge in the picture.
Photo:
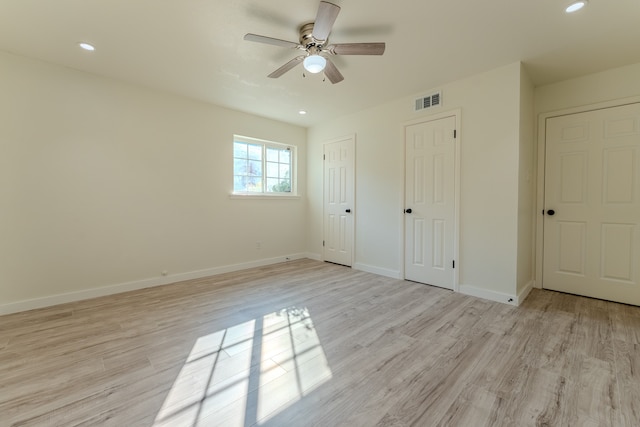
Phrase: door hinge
(323, 243)
(455, 133)
(324, 157)
(453, 263)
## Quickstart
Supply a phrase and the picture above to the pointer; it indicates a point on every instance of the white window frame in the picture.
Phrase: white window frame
(266, 144)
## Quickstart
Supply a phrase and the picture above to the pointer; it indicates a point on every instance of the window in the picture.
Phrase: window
(262, 167)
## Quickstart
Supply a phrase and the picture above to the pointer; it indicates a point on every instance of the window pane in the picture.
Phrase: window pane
(284, 171)
(240, 167)
(272, 155)
(272, 170)
(255, 152)
(247, 184)
(239, 150)
(261, 167)
(285, 156)
(278, 185)
(240, 184)
(272, 185)
(254, 184)
(255, 168)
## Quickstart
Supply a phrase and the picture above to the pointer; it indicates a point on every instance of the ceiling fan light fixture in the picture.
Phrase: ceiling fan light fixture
(314, 63)
(576, 6)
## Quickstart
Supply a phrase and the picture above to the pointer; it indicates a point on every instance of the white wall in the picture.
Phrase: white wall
(490, 135)
(608, 85)
(526, 186)
(103, 183)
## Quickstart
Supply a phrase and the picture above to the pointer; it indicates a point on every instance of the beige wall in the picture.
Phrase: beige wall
(490, 162)
(526, 185)
(606, 88)
(104, 183)
(617, 83)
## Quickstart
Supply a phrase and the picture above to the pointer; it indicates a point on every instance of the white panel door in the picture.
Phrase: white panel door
(430, 202)
(339, 165)
(592, 204)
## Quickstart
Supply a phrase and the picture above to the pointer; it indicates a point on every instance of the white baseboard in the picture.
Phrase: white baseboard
(51, 300)
(48, 301)
(362, 267)
(377, 270)
(313, 256)
(498, 296)
(488, 294)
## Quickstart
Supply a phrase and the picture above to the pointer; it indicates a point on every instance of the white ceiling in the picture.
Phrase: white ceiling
(196, 47)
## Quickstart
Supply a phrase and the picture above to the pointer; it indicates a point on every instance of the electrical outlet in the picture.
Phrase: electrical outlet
(164, 272)
(258, 245)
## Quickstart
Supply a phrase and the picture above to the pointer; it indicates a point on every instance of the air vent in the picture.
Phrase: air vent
(428, 101)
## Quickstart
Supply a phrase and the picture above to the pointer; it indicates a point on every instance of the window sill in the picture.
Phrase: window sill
(264, 196)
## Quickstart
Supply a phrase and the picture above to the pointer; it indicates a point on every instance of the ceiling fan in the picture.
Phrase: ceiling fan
(314, 38)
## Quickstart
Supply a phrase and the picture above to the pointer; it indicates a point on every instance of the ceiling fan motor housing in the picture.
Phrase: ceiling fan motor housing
(306, 37)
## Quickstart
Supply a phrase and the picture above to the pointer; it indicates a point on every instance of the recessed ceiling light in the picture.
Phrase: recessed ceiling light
(87, 46)
(576, 6)
(302, 112)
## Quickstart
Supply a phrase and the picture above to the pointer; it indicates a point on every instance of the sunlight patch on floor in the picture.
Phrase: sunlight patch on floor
(247, 373)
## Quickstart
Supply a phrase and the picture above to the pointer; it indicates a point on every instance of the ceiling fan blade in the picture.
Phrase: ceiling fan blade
(332, 73)
(270, 40)
(327, 14)
(357, 49)
(286, 67)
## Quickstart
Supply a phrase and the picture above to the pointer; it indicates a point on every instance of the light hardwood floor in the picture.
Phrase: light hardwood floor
(307, 343)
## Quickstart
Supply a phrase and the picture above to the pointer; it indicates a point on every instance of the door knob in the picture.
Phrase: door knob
(348, 211)
(408, 211)
(551, 212)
